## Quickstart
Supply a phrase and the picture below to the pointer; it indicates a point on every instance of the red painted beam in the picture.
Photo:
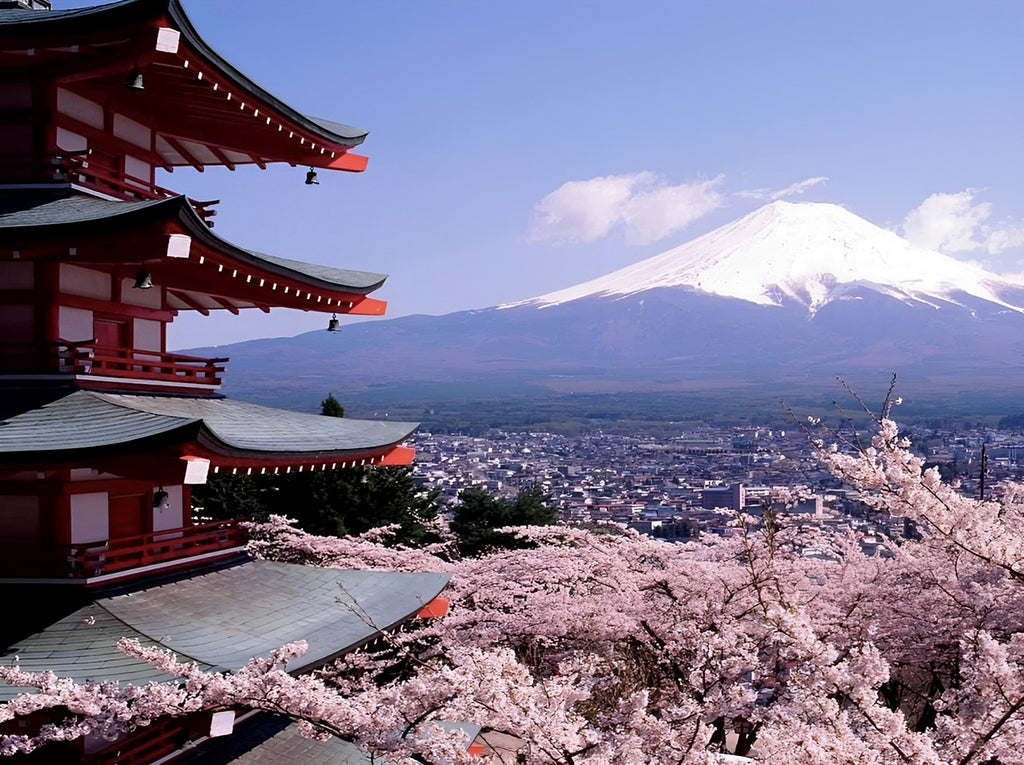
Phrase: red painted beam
(365, 307)
(435, 609)
(244, 463)
(399, 455)
(353, 163)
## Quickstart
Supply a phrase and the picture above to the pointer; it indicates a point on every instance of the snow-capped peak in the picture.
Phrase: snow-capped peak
(805, 252)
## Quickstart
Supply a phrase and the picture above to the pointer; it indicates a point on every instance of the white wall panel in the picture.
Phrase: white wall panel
(90, 520)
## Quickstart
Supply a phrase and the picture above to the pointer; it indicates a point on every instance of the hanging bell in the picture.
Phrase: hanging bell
(135, 80)
(160, 500)
(143, 281)
(311, 178)
(333, 325)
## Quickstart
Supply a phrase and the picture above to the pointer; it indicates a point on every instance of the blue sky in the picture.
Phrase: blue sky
(521, 147)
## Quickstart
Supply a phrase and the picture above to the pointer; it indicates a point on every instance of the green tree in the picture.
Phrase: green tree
(225, 496)
(355, 500)
(331, 407)
(479, 513)
(329, 502)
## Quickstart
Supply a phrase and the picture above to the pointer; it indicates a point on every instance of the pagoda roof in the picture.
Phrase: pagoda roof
(33, 216)
(221, 619)
(283, 743)
(88, 424)
(205, 111)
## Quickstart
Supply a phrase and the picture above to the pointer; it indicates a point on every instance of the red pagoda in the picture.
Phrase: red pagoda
(104, 430)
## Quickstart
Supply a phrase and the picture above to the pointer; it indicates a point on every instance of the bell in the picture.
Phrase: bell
(160, 500)
(311, 178)
(143, 281)
(135, 80)
(334, 325)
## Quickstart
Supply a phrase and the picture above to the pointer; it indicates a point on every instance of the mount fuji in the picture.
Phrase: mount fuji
(775, 303)
(808, 254)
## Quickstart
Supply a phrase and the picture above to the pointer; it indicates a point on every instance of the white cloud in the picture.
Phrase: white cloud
(793, 189)
(648, 208)
(953, 223)
(1006, 237)
(947, 222)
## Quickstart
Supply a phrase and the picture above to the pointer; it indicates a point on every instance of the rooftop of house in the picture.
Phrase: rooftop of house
(221, 619)
(90, 422)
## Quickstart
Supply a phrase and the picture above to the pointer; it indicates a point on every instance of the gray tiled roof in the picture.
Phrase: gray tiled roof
(81, 421)
(46, 209)
(290, 747)
(260, 428)
(342, 276)
(19, 22)
(222, 619)
(86, 420)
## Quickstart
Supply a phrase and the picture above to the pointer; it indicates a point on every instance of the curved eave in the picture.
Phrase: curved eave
(226, 458)
(91, 425)
(221, 619)
(361, 282)
(89, 215)
(333, 132)
(239, 434)
(25, 29)
(29, 215)
(80, 426)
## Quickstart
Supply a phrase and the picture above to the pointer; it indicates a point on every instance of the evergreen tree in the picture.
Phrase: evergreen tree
(331, 407)
(328, 502)
(480, 513)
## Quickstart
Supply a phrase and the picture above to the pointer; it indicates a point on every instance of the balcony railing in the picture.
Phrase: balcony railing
(90, 168)
(87, 168)
(122, 554)
(87, 359)
(148, 366)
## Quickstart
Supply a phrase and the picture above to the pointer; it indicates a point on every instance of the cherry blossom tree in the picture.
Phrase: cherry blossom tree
(599, 645)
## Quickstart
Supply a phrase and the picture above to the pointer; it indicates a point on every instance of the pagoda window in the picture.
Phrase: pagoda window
(16, 141)
(85, 282)
(138, 172)
(169, 515)
(20, 519)
(76, 324)
(17, 348)
(77, 108)
(90, 517)
(68, 140)
(151, 298)
(147, 335)
(18, 317)
(17, 276)
(18, 323)
(133, 132)
(16, 132)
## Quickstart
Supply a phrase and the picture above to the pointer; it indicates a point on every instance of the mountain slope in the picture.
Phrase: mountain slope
(808, 253)
(779, 301)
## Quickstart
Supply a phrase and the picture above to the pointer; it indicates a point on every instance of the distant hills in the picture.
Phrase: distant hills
(776, 303)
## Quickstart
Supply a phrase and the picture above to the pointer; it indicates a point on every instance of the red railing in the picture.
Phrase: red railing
(147, 744)
(148, 366)
(80, 169)
(121, 554)
(94, 169)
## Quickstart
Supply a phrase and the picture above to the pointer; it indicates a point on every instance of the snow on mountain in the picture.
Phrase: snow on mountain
(808, 253)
